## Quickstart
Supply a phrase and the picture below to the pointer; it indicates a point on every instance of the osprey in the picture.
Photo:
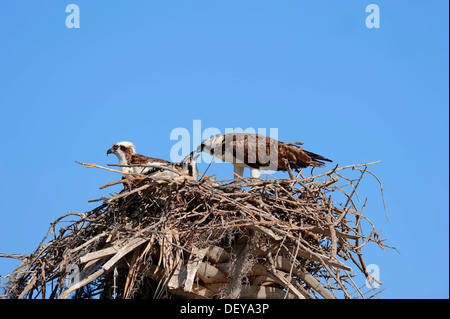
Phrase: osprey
(127, 155)
(259, 152)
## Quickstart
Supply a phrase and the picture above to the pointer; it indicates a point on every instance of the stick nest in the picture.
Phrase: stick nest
(188, 238)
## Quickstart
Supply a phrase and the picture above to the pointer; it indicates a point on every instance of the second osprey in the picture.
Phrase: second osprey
(132, 162)
(259, 152)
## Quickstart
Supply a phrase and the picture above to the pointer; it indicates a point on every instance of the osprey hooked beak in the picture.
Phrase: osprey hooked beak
(110, 151)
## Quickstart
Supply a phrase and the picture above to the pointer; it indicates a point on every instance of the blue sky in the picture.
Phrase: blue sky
(136, 70)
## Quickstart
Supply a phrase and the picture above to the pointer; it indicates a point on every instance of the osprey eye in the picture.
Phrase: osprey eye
(115, 147)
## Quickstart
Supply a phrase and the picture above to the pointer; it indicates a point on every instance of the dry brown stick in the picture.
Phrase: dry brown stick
(132, 274)
(29, 286)
(332, 235)
(382, 193)
(166, 168)
(105, 168)
(337, 169)
(110, 200)
(130, 179)
(286, 279)
(356, 186)
(15, 256)
(315, 284)
(298, 291)
(336, 279)
(193, 265)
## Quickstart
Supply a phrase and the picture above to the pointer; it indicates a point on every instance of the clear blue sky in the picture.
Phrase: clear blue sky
(135, 70)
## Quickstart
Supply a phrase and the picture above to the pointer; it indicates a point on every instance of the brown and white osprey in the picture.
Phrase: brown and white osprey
(127, 155)
(259, 152)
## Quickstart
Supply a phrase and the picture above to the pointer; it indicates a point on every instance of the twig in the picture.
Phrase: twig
(105, 168)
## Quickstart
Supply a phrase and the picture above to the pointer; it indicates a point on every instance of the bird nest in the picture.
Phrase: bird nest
(188, 238)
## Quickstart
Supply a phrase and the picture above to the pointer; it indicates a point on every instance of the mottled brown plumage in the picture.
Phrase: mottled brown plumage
(134, 158)
(259, 151)
(127, 155)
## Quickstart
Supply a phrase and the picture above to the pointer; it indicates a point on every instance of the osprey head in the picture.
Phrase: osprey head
(121, 148)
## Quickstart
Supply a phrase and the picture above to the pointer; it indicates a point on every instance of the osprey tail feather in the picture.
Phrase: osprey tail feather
(316, 159)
